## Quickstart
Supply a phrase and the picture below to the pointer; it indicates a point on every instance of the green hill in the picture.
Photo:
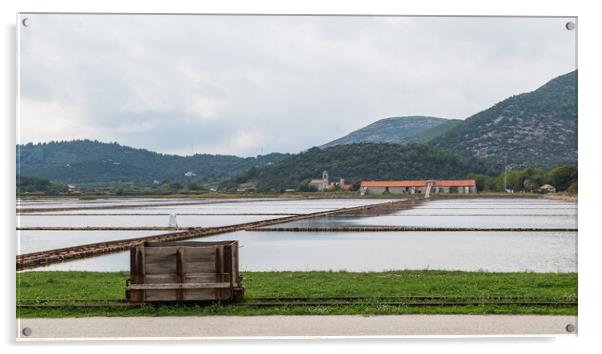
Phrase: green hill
(535, 129)
(91, 162)
(355, 162)
(396, 130)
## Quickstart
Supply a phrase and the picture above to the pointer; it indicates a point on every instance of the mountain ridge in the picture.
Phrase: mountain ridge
(532, 129)
(397, 130)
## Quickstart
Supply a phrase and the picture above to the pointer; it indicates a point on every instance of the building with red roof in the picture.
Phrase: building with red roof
(418, 186)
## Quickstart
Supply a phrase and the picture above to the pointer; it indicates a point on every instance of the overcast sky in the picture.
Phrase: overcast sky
(245, 85)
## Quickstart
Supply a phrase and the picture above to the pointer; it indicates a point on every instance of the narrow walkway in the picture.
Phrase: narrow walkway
(100, 228)
(294, 326)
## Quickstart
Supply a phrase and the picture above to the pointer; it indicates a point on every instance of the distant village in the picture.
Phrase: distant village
(459, 186)
(464, 186)
(325, 184)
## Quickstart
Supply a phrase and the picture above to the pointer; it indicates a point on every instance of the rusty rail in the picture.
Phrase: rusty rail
(43, 258)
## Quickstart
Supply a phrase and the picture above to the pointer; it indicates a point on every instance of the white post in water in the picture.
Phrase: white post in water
(429, 185)
(172, 221)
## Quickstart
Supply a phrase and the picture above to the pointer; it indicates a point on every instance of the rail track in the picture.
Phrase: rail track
(408, 229)
(397, 301)
(43, 258)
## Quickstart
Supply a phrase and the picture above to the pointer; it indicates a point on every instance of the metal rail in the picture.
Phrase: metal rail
(43, 258)
(317, 304)
(338, 301)
(356, 298)
(412, 304)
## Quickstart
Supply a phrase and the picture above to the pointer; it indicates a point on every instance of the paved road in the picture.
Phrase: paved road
(294, 326)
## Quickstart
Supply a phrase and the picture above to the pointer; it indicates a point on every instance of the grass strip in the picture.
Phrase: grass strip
(68, 289)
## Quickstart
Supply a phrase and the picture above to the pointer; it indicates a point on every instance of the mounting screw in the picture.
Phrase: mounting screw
(26, 331)
(570, 328)
(570, 25)
(25, 22)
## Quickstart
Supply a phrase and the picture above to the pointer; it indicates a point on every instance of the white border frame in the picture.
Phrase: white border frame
(589, 143)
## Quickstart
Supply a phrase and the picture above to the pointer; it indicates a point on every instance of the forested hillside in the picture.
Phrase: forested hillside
(355, 162)
(93, 162)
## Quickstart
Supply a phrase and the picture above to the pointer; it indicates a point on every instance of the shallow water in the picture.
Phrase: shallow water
(364, 251)
(486, 213)
(138, 220)
(35, 241)
(379, 251)
(490, 221)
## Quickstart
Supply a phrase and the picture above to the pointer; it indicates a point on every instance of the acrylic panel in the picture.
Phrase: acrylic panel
(376, 172)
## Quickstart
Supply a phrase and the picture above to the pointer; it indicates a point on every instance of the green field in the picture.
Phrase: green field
(76, 294)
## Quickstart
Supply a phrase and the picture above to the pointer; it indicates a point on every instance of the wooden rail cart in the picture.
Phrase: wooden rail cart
(184, 272)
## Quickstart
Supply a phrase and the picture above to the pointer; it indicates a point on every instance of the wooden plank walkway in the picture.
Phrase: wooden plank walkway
(100, 228)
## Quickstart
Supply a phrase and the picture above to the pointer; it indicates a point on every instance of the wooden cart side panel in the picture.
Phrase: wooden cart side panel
(199, 295)
(200, 254)
(159, 252)
(228, 261)
(235, 271)
(178, 264)
(180, 271)
(219, 269)
(205, 277)
(137, 274)
(133, 269)
(201, 267)
(160, 295)
(161, 279)
(238, 291)
(162, 268)
(133, 295)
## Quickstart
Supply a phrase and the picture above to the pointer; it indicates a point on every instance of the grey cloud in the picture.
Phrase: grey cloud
(246, 84)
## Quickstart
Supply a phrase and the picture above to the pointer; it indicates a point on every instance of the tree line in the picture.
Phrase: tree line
(39, 185)
(563, 178)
